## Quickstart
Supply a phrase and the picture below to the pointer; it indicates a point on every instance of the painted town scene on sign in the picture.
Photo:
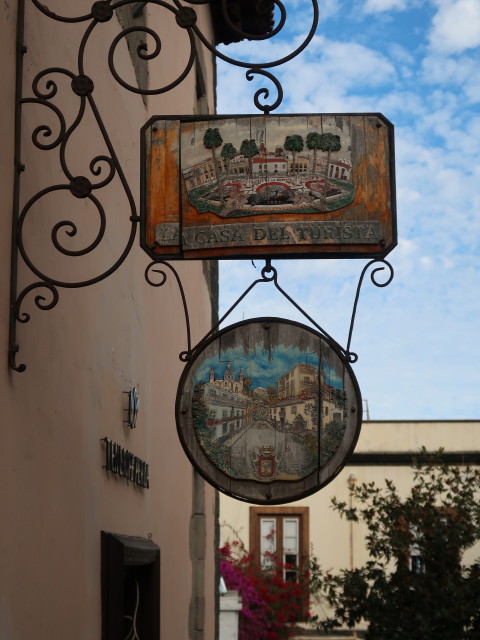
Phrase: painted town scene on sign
(251, 166)
(269, 410)
(317, 185)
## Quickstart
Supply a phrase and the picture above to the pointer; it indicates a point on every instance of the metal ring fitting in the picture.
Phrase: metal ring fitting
(80, 187)
(102, 11)
(82, 85)
(186, 17)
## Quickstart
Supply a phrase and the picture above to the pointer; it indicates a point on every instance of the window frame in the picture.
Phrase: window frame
(279, 514)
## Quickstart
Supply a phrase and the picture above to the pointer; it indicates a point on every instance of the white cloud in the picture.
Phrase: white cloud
(401, 331)
(327, 9)
(348, 62)
(330, 8)
(379, 6)
(320, 79)
(407, 195)
(401, 54)
(427, 262)
(323, 78)
(456, 26)
(462, 72)
(396, 103)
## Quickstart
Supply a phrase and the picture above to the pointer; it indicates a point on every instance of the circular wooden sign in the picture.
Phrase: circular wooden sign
(268, 410)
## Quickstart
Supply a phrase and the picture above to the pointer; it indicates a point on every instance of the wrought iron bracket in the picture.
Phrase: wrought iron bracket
(106, 168)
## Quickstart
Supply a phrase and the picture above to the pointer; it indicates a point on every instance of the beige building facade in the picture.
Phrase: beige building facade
(384, 451)
(76, 538)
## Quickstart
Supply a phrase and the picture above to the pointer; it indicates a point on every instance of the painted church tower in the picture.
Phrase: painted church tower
(229, 375)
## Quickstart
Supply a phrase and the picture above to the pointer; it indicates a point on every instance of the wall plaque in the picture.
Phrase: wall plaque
(123, 463)
(268, 410)
(244, 186)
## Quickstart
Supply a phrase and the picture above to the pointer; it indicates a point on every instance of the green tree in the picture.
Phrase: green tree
(228, 152)
(295, 145)
(414, 586)
(299, 422)
(339, 398)
(328, 142)
(199, 408)
(313, 142)
(212, 139)
(247, 383)
(330, 439)
(311, 408)
(249, 149)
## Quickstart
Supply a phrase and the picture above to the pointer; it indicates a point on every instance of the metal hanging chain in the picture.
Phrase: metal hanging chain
(270, 274)
(104, 168)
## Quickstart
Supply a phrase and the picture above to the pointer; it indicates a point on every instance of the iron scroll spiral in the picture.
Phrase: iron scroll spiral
(104, 167)
(380, 266)
(161, 268)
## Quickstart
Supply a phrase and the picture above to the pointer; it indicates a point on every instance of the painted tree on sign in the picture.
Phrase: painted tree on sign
(328, 142)
(228, 152)
(295, 145)
(272, 395)
(249, 149)
(211, 140)
(199, 408)
(247, 384)
(313, 143)
(339, 397)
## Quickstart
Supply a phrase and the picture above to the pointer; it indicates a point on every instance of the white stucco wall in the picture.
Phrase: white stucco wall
(97, 343)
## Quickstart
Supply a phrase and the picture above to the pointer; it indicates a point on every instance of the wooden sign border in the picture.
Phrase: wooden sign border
(264, 251)
(276, 491)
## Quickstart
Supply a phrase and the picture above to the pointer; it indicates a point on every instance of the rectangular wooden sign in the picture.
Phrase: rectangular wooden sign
(318, 185)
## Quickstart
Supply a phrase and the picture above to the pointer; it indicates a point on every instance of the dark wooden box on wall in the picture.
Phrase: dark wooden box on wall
(130, 587)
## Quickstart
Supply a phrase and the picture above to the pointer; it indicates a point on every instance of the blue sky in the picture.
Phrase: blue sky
(418, 63)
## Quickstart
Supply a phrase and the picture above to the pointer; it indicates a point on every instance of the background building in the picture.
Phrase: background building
(385, 450)
(226, 403)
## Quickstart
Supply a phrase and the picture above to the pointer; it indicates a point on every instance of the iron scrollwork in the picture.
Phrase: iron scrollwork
(105, 168)
(380, 265)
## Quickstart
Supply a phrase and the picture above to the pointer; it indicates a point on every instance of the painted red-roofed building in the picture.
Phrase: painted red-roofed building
(339, 170)
(270, 164)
